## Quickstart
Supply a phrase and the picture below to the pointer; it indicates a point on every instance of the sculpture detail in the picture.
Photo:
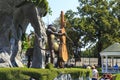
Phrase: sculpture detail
(63, 52)
(52, 43)
(15, 16)
(59, 48)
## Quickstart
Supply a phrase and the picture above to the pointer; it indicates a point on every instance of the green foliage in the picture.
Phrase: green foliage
(49, 66)
(40, 3)
(74, 32)
(96, 22)
(118, 77)
(75, 72)
(43, 4)
(27, 43)
(87, 53)
(100, 23)
(49, 11)
(39, 74)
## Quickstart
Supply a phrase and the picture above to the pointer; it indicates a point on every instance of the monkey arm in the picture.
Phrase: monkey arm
(56, 33)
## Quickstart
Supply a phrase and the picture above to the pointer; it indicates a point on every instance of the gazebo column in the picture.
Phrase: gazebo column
(102, 62)
(112, 61)
(106, 67)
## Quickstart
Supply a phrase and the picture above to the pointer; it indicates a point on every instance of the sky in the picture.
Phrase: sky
(57, 6)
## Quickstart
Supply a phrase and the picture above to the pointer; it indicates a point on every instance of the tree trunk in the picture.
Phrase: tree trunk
(99, 50)
(99, 47)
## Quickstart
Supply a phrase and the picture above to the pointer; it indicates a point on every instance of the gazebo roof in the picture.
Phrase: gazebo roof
(112, 50)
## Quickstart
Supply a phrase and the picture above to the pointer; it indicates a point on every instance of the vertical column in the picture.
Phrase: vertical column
(112, 61)
(102, 62)
(106, 67)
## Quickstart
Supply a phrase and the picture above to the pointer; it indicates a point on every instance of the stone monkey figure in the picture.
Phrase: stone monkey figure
(52, 45)
(29, 13)
(15, 16)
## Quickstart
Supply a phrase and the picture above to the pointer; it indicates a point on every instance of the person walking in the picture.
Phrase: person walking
(95, 74)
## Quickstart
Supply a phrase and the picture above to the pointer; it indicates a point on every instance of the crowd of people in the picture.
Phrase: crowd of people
(95, 75)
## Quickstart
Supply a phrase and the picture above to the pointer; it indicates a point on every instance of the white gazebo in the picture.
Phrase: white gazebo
(111, 51)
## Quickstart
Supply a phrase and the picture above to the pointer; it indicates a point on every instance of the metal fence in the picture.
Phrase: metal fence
(93, 61)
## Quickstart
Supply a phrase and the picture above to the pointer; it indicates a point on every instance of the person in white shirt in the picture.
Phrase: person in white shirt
(94, 73)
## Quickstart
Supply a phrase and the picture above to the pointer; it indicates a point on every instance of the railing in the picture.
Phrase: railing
(94, 61)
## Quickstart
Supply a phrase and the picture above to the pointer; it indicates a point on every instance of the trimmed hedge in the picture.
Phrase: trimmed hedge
(117, 76)
(40, 74)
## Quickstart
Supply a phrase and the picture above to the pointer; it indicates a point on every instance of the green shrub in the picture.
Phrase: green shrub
(40, 74)
(117, 76)
(49, 66)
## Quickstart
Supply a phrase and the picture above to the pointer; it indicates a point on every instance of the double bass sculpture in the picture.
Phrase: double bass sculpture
(63, 53)
(58, 49)
(55, 48)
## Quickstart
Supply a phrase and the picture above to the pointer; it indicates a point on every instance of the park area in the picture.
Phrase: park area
(54, 40)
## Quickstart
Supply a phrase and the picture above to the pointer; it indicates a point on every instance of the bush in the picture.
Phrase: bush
(40, 74)
(49, 66)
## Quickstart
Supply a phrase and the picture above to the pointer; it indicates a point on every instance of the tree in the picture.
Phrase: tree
(75, 34)
(98, 22)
